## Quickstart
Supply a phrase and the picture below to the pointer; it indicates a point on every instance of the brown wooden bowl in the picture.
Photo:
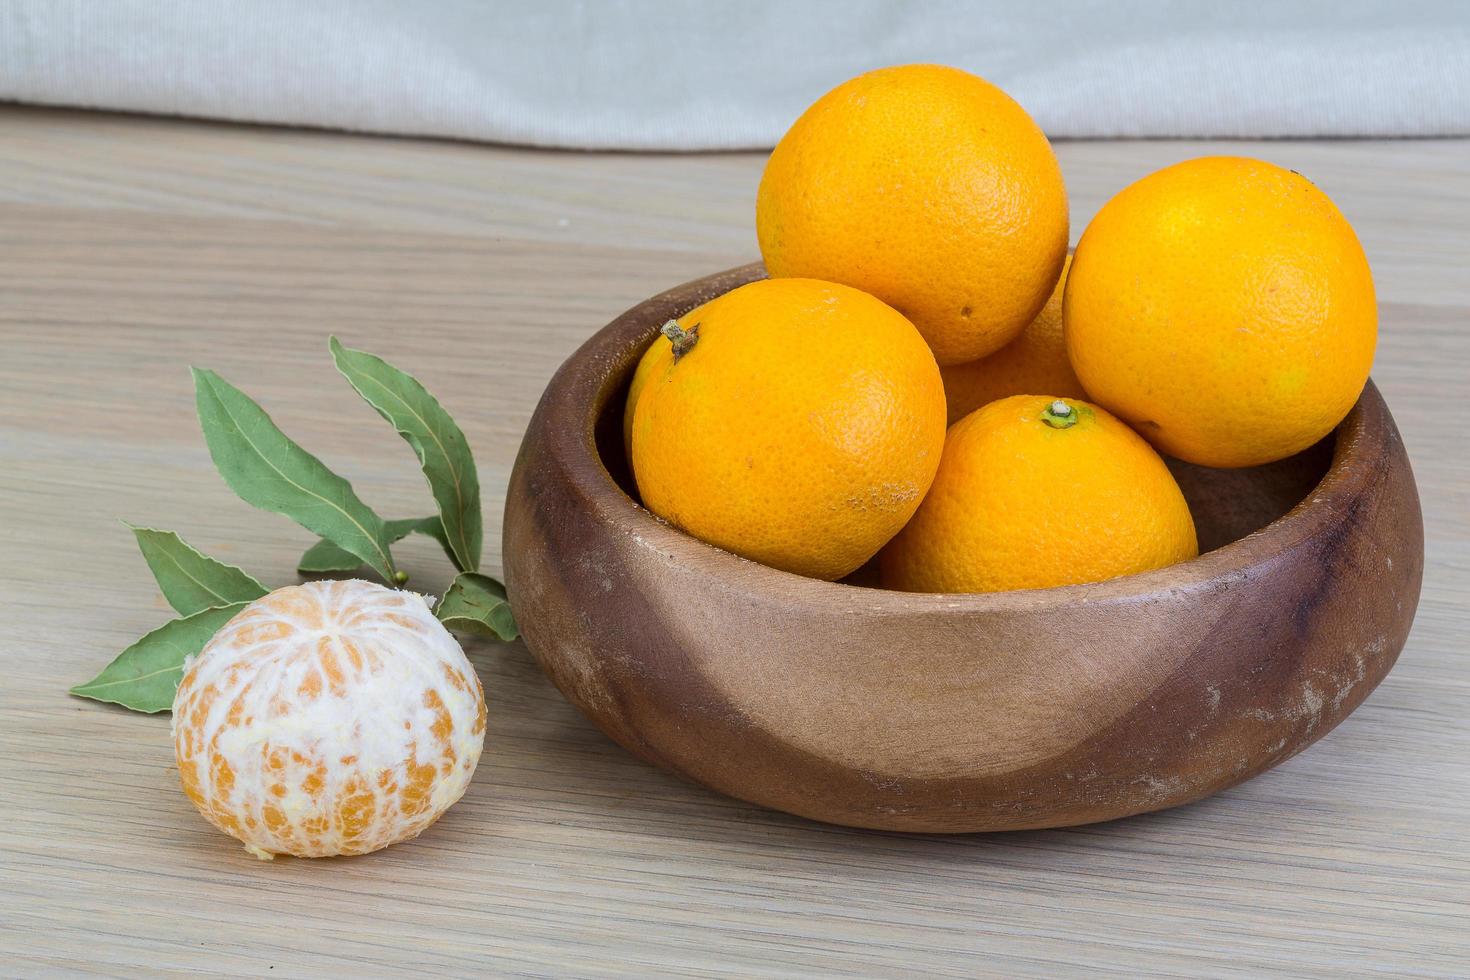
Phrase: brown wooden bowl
(1002, 711)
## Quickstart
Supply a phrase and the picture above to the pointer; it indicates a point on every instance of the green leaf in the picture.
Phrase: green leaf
(146, 674)
(433, 527)
(443, 453)
(326, 557)
(268, 470)
(476, 604)
(192, 582)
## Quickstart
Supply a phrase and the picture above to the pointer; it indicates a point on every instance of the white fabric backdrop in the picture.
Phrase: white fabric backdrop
(672, 75)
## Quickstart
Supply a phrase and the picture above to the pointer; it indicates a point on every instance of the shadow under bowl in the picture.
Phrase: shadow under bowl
(951, 713)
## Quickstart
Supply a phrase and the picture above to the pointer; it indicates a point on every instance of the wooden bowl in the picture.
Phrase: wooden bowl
(1003, 711)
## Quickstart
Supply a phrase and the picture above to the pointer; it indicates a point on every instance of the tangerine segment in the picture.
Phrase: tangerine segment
(328, 718)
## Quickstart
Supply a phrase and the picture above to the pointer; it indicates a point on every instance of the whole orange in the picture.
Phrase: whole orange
(797, 423)
(1034, 492)
(1224, 307)
(655, 360)
(929, 188)
(1036, 361)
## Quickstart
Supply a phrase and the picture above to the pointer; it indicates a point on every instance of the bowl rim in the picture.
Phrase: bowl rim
(597, 371)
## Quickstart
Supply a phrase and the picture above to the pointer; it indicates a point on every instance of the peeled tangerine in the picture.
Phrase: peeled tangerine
(328, 718)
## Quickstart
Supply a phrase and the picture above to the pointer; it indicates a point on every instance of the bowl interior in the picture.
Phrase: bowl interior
(1227, 504)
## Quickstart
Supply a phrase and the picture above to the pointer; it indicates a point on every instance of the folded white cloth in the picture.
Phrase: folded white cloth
(672, 75)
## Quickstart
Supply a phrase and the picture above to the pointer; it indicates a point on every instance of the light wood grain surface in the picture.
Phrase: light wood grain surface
(131, 248)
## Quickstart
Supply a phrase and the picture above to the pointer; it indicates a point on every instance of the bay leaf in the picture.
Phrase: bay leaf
(326, 557)
(266, 469)
(145, 676)
(192, 582)
(444, 454)
(476, 604)
(434, 527)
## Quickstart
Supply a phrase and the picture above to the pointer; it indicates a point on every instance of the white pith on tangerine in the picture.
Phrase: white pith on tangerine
(333, 717)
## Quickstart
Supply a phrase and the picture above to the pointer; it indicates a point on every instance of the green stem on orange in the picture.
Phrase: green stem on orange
(682, 340)
(1059, 415)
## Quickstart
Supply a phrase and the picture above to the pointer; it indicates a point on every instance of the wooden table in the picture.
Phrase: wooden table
(131, 248)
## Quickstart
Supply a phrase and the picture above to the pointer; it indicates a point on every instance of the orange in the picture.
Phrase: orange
(328, 718)
(1035, 361)
(655, 361)
(929, 188)
(795, 422)
(1225, 308)
(1034, 492)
